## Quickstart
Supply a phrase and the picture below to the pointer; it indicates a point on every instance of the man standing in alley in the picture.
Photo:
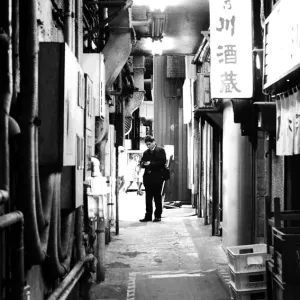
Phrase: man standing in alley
(153, 160)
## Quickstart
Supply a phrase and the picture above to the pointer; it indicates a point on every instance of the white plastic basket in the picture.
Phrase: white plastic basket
(245, 281)
(247, 258)
(256, 294)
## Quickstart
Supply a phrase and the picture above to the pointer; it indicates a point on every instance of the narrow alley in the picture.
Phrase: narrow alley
(174, 259)
(196, 101)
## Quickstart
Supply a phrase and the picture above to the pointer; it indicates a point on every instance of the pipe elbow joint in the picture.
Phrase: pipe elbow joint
(4, 196)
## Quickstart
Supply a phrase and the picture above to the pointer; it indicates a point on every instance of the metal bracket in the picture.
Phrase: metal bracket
(206, 35)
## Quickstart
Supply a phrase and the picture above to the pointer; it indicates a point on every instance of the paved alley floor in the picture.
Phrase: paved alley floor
(175, 259)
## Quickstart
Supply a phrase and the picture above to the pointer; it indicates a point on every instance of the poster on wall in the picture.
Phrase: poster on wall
(231, 48)
(134, 172)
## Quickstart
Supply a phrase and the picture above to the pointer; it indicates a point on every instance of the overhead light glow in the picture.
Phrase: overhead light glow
(157, 48)
(257, 61)
(157, 4)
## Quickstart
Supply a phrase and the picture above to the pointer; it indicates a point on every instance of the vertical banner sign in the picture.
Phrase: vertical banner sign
(288, 123)
(231, 48)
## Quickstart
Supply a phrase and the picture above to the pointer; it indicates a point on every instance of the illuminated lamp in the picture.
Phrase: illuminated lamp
(157, 47)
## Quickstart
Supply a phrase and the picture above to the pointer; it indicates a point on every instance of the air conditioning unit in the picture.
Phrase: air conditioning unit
(93, 64)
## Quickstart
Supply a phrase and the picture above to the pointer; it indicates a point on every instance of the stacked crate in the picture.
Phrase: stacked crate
(247, 265)
(286, 260)
(282, 237)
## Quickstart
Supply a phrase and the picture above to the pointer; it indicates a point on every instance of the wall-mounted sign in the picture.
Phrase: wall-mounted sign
(231, 48)
(282, 42)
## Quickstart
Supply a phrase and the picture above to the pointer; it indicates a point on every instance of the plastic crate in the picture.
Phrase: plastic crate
(249, 294)
(286, 254)
(251, 280)
(247, 258)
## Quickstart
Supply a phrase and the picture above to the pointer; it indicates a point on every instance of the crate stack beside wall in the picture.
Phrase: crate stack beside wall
(286, 271)
(247, 265)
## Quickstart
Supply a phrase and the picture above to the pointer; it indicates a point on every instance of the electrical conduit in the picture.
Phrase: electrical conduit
(18, 277)
(71, 279)
(40, 199)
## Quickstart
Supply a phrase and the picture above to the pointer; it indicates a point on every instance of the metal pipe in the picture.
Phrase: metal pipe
(68, 23)
(71, 278)
(41, 221)
(68, 289)
(10, 219)
(100, 274)
(3, 196)
(5, 101)
(79, 233)
(54, 263)
(68, 225)
(29, 100)
(117, 192)
(15, 51)
(46, 182)
(18, 274)
(78, 30)
(102, 14)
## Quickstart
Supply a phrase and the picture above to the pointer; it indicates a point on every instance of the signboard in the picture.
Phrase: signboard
(282, 42)
(231, 48)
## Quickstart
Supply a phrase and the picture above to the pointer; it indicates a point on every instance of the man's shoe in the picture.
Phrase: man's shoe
(145, 220)
(157, 220)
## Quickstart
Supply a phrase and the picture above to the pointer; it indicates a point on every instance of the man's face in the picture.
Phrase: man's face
(150, 145)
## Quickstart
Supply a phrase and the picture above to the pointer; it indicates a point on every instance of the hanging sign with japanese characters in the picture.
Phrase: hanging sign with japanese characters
(231, 48)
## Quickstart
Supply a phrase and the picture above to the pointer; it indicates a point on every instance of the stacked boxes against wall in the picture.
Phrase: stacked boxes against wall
(283, 243)
(286, 259)
(247, 265)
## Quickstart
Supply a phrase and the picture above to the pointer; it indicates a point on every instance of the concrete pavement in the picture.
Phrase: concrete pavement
(174, 259)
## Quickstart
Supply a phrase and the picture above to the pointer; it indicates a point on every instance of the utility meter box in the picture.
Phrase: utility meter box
(61, 104)
(62, 110)
(93, 64)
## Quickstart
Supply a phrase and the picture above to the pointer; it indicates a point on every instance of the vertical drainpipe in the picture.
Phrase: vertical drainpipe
(15, 41)
(103, 14)
(78, 30)
(5, 102)
(100, 273)
(120, 142)
(237, 182)
(68, 23)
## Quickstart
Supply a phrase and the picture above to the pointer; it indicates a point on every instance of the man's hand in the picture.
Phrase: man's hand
(146, 163)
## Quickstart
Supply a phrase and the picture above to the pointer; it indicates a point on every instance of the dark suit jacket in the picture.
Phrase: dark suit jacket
(157, 158)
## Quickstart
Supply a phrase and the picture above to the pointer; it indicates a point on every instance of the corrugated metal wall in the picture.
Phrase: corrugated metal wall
(168, 124)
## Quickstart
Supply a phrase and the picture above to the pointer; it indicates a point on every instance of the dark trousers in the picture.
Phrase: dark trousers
(153, 191)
